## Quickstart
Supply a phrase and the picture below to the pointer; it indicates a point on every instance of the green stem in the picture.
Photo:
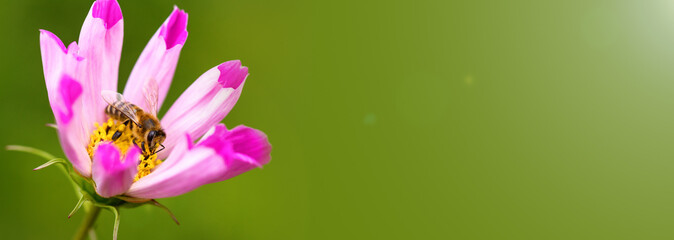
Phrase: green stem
(87, 223)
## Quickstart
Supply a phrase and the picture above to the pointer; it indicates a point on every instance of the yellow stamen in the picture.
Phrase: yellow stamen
(104, 133)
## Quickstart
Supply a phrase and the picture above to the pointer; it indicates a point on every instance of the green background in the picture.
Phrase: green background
(389, 119)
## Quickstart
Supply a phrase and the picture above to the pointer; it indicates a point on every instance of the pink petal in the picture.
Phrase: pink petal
(101, 45)
(114, 175)
(63, 74)
(67, 106)
(158, 61)
(232, 74)
(222, 155)
(174, 31)
(242, 148)
(205, 103)
(250, 148)
(107, 10)
(185, 170)
(53, 57)
(69, 91)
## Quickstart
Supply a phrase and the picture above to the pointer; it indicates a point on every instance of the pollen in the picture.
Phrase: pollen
(105, 132)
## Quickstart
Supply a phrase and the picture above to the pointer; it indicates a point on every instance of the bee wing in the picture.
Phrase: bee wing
(151, 93)
(112, 98)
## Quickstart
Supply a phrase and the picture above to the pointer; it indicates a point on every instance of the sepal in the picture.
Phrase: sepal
(65, 167)
(115, 228)
(50, 162)
(155, 203)
(132, 202)
(30, 150)
(78, 205)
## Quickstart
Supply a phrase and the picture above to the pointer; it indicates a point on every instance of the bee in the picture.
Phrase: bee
(145, 125)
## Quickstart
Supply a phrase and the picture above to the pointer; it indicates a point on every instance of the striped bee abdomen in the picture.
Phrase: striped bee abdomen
(117, 110)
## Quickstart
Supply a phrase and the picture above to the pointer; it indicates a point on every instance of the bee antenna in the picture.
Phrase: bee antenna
(162, 148)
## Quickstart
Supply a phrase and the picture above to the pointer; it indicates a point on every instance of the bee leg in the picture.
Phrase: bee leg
(126, 123)
(116, 135)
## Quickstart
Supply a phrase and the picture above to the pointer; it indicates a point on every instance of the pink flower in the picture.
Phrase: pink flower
(76, 75)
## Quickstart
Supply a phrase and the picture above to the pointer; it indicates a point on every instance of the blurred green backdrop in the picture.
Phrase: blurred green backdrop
(389, 119)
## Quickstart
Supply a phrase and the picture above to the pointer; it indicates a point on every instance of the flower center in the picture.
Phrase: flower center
(105, 132)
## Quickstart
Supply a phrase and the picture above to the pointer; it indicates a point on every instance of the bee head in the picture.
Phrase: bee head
(154, 138)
